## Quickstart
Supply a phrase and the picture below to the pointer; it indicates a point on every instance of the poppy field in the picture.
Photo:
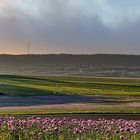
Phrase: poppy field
(35, 128)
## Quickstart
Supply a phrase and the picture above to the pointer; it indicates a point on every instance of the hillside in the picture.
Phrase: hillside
(65, 64)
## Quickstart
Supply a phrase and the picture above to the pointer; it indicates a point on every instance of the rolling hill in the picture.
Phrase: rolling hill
(101, 65)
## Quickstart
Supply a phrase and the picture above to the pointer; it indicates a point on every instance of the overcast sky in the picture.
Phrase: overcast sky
(70, 26)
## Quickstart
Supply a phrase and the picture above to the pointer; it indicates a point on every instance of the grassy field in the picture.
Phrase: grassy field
(25, 85)
(123, 94)
(61, 109)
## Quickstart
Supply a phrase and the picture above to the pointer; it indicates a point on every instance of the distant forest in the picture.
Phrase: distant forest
(72, 65)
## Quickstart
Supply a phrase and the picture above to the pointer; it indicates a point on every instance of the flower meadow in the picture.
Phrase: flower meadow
(35, 128)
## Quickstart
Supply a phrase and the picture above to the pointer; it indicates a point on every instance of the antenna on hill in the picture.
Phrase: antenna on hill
(28, 48)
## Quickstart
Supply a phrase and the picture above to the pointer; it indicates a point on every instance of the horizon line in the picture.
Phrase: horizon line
(31, 54)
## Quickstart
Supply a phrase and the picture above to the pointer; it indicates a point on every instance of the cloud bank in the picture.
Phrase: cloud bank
(69, 26)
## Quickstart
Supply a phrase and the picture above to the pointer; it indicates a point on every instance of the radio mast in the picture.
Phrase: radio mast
(28, 48)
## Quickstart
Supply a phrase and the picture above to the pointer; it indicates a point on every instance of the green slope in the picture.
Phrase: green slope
(33, 85)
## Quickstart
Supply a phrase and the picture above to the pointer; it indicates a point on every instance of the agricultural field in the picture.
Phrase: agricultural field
(29, 95)
(69, 108)
(28, 86)
(68, 129)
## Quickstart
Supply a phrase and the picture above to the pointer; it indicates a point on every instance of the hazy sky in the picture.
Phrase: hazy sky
(70, 26)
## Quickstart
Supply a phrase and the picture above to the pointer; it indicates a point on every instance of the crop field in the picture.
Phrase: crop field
(68, 129)
(69, 108)
(63, 95)
(28, 86)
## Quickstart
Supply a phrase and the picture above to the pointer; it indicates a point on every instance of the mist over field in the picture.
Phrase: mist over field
(71, 65)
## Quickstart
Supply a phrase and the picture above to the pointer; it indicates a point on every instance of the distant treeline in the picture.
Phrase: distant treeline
(97, 59)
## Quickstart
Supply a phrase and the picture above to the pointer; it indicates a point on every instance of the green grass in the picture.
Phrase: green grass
(26, 85)
(125, 91)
